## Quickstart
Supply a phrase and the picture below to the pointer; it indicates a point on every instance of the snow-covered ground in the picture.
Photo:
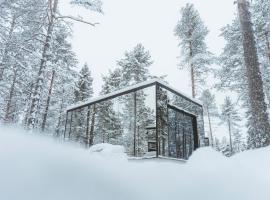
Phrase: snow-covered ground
(39, 168)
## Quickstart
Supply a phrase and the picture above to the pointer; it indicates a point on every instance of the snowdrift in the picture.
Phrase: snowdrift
(39, 168)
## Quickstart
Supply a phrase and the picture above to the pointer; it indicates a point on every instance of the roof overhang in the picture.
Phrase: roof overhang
(130, 89)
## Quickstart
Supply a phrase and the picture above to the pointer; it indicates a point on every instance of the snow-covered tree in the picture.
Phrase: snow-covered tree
(258, 107)
(210, 110)
(84, 86)
(135, 65)
(109, 126)
(261, 20)
(191, 32)
(53, 16)
(230, 117)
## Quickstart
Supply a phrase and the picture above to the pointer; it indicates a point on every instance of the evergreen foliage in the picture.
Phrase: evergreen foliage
(191, 32)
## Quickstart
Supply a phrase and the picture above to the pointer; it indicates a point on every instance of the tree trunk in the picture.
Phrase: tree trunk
(135, 124)
(92, 128)
(48, 102)
(39, 81)
(230, 136)
(11, 94)
(210, 128)
(87, 127)
(192, 74)
(5, 54)
(260, 123)
(267, 44)
(59, 117)
(192, 81)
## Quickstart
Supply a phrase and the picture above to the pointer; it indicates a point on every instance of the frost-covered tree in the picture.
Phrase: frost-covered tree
(191, 32)
(225, 147)
(60, 68)
(258, 107)
(113, 81)
(84, 85)
(109, 126)
(239, 142)
(210, 110)
(133, 69)
(18, 44)
(52, 17)
(261, 20)
(135, 65)
(230, 117)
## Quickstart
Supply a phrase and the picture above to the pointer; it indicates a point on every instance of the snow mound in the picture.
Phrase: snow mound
(108, 151)
(39, 168)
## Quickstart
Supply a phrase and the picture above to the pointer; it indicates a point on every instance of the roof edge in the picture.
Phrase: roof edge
(135, 87)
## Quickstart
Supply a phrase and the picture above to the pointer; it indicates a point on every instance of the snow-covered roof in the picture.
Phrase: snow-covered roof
(135, 87)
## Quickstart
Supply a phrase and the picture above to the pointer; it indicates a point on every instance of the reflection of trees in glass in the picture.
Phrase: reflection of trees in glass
(162, 120)
(190, 107)
(136, 117)
(109, 128)
(181, 138)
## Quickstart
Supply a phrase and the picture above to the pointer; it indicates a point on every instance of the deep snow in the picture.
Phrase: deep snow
(38, 168)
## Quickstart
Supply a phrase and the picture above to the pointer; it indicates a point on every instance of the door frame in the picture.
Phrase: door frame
(194, 124)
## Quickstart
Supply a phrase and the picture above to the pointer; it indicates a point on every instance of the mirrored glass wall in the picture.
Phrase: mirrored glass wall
(123, 120)
(153, 120)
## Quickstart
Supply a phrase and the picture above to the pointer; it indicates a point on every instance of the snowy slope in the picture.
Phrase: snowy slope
(38, 168)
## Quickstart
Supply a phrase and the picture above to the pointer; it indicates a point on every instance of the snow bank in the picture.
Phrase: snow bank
(38, 168)
(108, 151)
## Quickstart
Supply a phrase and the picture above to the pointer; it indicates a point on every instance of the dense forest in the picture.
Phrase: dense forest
(40, 75)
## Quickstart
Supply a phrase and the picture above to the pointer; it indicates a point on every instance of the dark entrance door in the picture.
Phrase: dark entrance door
(183, 137)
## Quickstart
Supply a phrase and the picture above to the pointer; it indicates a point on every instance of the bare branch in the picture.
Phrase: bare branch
(77, 19)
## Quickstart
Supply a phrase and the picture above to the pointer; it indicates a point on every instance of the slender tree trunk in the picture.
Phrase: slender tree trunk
(92, 128)
(87, 127)
(210, 128)
(267, 44)
(192, 81)
(230, 136)
(29, 97)
(39, 81)
(59, 117)
(48, 102)
(10, 98)
(5, 54)
(192, 74)
(260, 122)
(135, 124)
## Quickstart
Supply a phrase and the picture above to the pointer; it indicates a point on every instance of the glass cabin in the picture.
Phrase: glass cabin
(149, 118)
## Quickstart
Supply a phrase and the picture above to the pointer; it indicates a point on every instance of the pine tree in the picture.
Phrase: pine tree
(84, 86)
(135, 66)
(109, 125)
(229, 116)
(53, 14)
(210, 109)
(191, 32)
(258, 108)
(261, 20)
(83, 91)
(60, 68)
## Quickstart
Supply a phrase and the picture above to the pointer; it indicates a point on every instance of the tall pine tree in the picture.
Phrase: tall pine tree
(191, 32)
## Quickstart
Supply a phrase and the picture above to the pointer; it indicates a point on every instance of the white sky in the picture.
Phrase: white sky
(150, 22)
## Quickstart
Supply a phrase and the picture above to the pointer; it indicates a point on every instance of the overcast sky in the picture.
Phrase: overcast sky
(150, 22)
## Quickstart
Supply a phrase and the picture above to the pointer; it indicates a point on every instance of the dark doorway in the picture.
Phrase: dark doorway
(182, 133)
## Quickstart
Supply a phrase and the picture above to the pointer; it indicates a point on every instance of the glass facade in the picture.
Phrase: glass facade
(148, 119)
